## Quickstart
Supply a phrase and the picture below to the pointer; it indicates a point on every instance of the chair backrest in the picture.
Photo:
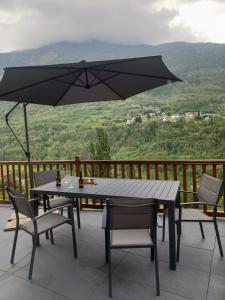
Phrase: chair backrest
(210, 189)
(131, 213)
(20, 202)
(44, 177)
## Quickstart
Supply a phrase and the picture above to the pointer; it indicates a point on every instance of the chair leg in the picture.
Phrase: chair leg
(14, 245)
(45, 205)
(32, 257)
(73, 232)
(202, 231)
(218, 237)
(51, 235)
(46, 235)
(164, 225)
(152, 254)
(106, 246)
(78, 211)
(178, 240)
(152, 249)
(156, 270)
(109, 271)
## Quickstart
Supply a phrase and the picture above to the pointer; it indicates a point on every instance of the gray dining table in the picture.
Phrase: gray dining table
(164, 191)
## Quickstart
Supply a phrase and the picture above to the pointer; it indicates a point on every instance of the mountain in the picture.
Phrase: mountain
(179, 56)
(63, 132)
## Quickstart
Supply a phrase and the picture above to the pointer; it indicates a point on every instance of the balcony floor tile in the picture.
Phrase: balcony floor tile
(57, 275)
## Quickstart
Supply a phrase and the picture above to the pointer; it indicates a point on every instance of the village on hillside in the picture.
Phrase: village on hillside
(154, 113)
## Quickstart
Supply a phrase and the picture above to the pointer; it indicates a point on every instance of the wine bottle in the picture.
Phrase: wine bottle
(58, 178)
(81, 182)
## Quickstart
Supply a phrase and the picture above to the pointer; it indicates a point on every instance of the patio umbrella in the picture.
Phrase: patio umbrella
(81, 82)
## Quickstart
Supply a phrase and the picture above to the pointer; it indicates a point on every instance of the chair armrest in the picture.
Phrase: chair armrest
(53, 209)
(33, 199)
(201, 203)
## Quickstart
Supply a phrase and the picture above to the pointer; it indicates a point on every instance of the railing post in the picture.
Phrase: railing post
(77, 165)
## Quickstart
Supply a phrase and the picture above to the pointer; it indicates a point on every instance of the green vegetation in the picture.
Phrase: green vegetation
(63, 132)
(99, 148)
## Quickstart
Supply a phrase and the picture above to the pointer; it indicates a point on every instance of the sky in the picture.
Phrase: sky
(34, 23)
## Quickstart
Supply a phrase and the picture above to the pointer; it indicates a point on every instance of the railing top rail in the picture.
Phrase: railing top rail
(153, 161)
(24, 162)
(170, 161)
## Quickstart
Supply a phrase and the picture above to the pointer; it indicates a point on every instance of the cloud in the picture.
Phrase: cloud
(31, 23)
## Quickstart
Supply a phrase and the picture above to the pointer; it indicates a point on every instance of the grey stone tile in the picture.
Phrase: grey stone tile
(191, 235)
(6, 237)
(15, 288)
(221, 226)
(5, 213)
(57, 275)
(74, 280)
(218, 264)
(23, 248)
(1, 273)
(91, 234)
(191, 257)
(130, 290)
(216, 288)
(181, 282)
(93, 218)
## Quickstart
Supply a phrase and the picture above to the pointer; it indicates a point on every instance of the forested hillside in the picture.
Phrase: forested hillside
(154, 124)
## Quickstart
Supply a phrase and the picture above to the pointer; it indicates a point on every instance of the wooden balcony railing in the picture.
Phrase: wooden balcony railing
(188, 172)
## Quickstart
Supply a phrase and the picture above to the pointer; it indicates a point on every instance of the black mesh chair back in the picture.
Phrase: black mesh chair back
(131, 214)
(20, 203)
(131, 223)
(210, 189)
(209, 194)
(44, 177)
(38, 224)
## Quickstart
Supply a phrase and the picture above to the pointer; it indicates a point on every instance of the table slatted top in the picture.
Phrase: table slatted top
(162, 190)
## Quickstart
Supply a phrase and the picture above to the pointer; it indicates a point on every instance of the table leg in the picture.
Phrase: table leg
(172, 236)
(78, 211)
(34, 204)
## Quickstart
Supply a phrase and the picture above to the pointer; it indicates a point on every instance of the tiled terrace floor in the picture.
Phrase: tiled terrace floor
(57, 275)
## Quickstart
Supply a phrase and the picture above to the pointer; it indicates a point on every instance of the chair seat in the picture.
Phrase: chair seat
(45, 223)
(192, 214)
(131, 237)
(55, 202)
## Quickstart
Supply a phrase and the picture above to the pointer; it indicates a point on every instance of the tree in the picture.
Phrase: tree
(138, 119)
(100, 148)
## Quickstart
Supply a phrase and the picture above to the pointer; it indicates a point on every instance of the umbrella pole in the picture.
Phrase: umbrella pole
(27, 149)
(28, 145)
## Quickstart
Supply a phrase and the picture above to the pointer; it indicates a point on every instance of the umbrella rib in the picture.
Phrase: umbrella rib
(134, 74)
(90, 84)
(103, 80)
(65, 82)
(39, 82)
(69, 86)
(107, 85)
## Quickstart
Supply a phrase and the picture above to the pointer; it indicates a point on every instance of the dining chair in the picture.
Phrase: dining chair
(131, 223)
(209, 193)
(37, 225)
(44, 177)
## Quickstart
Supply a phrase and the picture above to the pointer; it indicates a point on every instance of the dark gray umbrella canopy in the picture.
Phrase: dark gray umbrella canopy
(79, 83)
(85, 81)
